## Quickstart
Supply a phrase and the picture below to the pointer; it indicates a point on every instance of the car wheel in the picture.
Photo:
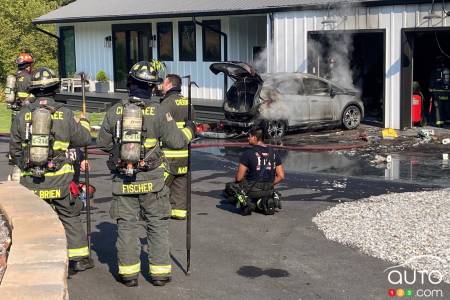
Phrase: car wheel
(274, 129)
(351, 118)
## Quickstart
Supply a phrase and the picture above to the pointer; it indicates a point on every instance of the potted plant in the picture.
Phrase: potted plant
(102, 82)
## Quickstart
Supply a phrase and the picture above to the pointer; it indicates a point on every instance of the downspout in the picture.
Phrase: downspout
(270, 44)
(58, 41)
(225, 51)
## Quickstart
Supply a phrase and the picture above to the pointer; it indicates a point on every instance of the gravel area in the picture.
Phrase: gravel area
(409, 229)
(5, 241)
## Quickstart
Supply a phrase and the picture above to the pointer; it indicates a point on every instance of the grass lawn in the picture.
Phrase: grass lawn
(5, 118)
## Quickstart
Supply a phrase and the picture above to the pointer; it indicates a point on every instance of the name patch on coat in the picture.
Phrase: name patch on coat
(137, 188)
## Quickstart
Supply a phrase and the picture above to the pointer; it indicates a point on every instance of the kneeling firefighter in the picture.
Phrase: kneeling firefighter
(259, 170)
(40, 137)
(131, 132)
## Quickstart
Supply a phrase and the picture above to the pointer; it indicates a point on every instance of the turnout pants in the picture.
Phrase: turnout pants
(154, 208)
(178, 197)
(69, 211)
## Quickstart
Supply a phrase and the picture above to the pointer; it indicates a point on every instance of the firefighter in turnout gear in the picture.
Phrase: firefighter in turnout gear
(177, 160)
(440, 91)
(16, 89)
(41, 135)
(131, 132)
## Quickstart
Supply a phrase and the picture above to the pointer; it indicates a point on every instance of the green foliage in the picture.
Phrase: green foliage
(18, 34)
(101, 76)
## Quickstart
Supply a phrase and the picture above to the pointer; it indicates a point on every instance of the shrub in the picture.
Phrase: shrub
(101, 76)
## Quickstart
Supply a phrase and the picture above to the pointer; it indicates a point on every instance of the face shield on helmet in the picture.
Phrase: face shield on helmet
(44, 81)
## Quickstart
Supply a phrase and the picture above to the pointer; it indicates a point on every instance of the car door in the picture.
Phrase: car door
(317, 92)
(291, 87)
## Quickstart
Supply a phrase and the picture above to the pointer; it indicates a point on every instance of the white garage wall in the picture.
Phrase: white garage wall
(291, 33)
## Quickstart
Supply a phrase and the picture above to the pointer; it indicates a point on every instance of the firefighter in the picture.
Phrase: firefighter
(260, 169)
(177, 160)
(440, 89)
(131, 132)
(41, 135)
(17, 94)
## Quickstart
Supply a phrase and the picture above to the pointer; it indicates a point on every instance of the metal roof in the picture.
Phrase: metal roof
(102, 10)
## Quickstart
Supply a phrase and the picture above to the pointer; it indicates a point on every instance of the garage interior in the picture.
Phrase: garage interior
(422, 51)
(365, 55)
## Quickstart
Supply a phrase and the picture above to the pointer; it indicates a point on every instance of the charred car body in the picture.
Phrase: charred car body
(284, 101)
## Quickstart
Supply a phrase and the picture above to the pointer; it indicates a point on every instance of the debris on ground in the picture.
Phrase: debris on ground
(5, 241)
(381, 159)
(396, 227)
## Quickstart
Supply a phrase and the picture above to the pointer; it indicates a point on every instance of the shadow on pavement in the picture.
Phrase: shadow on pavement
(254, 272)
(104, 245)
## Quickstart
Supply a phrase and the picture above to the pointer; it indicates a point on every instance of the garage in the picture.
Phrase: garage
(425, 75)
(345, 58)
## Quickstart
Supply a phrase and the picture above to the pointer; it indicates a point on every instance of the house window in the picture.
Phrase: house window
(67, 51)
(165, 41)
(186, 31)
(211, 41)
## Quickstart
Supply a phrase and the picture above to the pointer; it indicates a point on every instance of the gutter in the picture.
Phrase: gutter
(225, 50)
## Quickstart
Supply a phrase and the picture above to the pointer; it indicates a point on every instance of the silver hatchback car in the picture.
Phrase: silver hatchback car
(281, 102)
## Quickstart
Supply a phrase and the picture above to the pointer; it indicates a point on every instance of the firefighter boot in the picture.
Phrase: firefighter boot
(129, 282)
(82, 264)
(160, 281)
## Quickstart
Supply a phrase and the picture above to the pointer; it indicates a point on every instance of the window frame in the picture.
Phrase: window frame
(158, 24)
(204, 28)
(181, 55)
(306, 91)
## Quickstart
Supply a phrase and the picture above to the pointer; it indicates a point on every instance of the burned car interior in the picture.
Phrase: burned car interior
(240, 97)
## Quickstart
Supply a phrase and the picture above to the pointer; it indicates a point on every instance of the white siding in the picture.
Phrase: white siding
(291, 31)
(92, 55)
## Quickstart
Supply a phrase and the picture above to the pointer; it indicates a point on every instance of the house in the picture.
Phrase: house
(377, 46)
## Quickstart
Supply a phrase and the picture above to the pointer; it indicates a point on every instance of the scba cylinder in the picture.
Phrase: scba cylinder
(130, 150)
(10, 88)
(41, 124)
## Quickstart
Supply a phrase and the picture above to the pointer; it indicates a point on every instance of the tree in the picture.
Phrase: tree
(17, 34)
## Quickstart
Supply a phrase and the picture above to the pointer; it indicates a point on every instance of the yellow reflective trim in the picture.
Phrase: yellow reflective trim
(22, 94)
(187, 132)
(160, 270)
(182, 170)
(66, 169)
(150, 143)
(60, 145)
(166, 175)
(78, 252)
(129, 269)
(181, 124)
(85, 124)
(176, 153)
(181, 213)
(44, 81)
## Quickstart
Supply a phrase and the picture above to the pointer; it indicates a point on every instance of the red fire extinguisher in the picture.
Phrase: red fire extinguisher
(416, 109)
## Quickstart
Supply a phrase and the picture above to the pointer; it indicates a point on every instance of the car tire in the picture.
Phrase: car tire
(274, 129)
(351, 117)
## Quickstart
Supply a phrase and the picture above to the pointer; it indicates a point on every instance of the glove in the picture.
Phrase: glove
(191, 125)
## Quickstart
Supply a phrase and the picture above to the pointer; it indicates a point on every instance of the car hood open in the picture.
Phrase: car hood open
(235, 69)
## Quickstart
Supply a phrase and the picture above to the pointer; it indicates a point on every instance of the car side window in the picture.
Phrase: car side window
(290, 86)
(315, 87)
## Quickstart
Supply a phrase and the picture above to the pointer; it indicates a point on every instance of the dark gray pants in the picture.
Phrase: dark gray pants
(178, 197)
(69, 211)
(154, 208)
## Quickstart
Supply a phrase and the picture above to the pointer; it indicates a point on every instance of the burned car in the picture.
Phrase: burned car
(285, 101)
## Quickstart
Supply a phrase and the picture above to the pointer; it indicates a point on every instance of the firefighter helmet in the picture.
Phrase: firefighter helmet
(143, 72)
(24, 59)
(44, 79)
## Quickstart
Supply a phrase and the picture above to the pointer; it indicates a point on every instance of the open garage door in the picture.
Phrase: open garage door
(426, 77)
(354, 59)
